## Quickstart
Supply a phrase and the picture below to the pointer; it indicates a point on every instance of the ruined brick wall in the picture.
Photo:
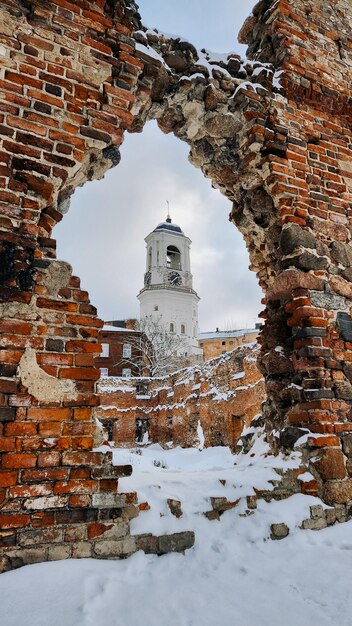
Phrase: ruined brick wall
(275, 139)
(67, 83)
(222, 395)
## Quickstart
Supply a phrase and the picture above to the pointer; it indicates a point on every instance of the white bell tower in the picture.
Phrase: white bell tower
(168, 291)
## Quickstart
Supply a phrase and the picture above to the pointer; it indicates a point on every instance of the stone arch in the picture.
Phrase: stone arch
(272, 133)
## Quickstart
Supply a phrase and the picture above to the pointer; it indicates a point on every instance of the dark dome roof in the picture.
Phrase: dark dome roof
(168, 225)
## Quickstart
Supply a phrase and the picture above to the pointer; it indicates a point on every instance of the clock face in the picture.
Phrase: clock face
(174, 278)
(147, 278)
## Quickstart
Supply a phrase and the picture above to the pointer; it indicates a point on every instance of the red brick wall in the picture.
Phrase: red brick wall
(223, 394)
(115, 362)
(67, 86)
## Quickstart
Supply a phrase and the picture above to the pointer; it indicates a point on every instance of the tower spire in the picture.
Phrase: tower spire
(168, 218)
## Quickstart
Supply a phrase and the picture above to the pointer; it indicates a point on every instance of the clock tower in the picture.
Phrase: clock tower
(168, 292)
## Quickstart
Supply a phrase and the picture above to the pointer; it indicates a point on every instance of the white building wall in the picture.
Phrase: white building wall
(174, 307)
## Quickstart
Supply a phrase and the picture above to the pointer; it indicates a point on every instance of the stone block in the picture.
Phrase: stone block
(108, 500)
(289, 436)
(341, 253)
(279, 531)
(175, 507)
(76, 532)
(316, 511)
(294, 236)
(346, 441)
(341, 286)
(217, 503)
(59, 553)
(251, 502)
(178, 542)
(341, 512)
(82, 550)
(291, 279)
(111, 471)
(115, 549)
(331, 464)
(306, 261)
(330, 516)
(35, 537)
(51, 502)
(148, 543)
(329, 301)
(314, 524)
(130, 512)
(28, 556)
(349, 466)
(117, 531)
(338, 491)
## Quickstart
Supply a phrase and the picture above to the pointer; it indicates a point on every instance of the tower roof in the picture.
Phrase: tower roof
(169, 226)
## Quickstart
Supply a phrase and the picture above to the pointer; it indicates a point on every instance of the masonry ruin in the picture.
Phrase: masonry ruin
(274, 135)
(213, 401)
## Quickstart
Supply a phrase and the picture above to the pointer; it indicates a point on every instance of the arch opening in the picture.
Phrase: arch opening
(173, 256)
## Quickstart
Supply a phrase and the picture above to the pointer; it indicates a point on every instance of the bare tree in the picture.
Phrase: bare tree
(155, 350)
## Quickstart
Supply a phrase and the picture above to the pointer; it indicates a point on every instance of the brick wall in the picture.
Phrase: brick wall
(68, 76)
(115, 361)
(223, 395)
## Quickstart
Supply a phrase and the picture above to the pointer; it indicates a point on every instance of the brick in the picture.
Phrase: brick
(13, 521)
(53, 414)
(82, 414)
(79, 501)
(8, 478)
(56, 305)
(20, 461)
(50, 429)
(75, 486)
(83, 346)
(8, 386)
(79, 373)
(7, 444)
(48, 459)
(21, 429)
(322, 442)
(7, 414)
(27, 491)
(82, 458)
(43, 475)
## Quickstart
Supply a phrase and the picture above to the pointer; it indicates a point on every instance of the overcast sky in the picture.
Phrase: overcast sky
(102, 235)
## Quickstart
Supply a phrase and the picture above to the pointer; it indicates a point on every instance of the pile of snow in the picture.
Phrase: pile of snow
(233, 575)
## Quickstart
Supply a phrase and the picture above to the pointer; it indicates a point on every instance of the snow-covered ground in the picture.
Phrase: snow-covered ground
(234, 576)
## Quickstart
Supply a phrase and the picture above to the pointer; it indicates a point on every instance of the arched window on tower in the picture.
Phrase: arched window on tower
(150, 258)
(183, 329)
(172, 327)
(173, 258)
